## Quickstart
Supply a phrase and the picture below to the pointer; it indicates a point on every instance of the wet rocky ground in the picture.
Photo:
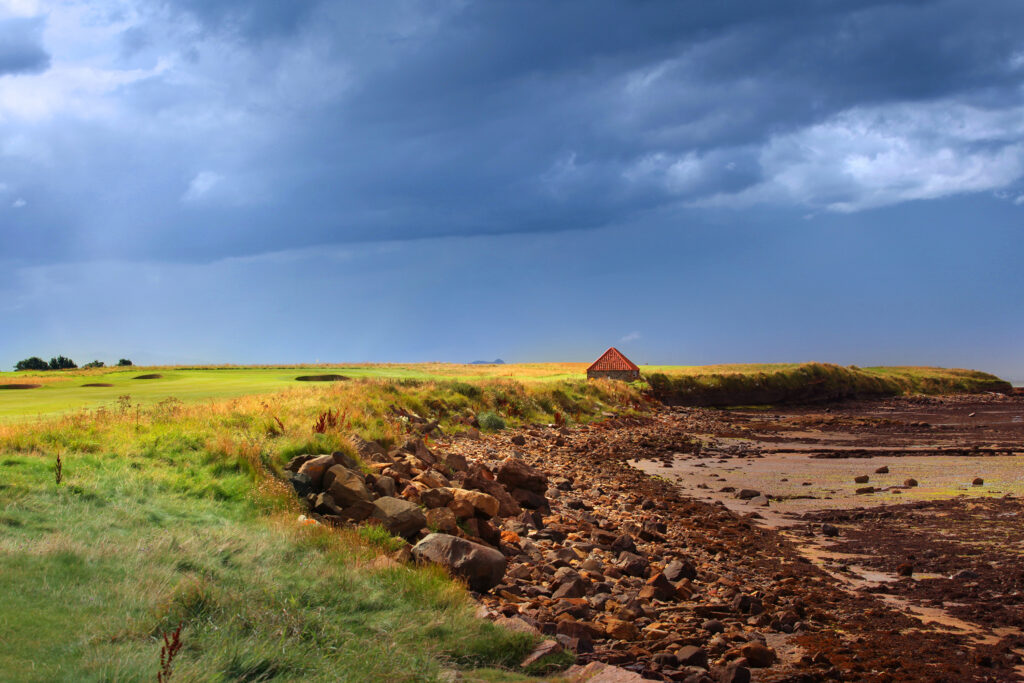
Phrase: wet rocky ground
(623, 566)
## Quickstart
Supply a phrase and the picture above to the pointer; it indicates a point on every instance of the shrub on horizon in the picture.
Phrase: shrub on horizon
(33, 363)
(62, 363)
(124, 363)
(94, 364)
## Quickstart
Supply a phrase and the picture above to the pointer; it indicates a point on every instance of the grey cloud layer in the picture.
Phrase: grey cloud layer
(237, 127)
(20, 47)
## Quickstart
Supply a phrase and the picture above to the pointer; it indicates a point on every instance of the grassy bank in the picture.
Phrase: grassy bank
(170, 514)
(807, 382)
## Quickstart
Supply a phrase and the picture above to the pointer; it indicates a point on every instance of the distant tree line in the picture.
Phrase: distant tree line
(61, 363)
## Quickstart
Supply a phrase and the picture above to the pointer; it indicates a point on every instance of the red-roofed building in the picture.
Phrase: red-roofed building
(613, 365)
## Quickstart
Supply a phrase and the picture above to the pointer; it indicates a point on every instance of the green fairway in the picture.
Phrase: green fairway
(64, 391)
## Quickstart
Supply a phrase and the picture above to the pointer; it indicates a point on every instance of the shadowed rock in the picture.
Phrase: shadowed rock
(480, 566)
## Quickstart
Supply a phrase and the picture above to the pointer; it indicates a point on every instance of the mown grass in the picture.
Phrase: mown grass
(63, 390)
(171, 514)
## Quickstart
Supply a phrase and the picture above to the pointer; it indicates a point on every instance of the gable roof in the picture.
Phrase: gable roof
(613, 359)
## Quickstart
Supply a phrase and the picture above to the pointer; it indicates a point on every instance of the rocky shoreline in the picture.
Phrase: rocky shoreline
(620, 568)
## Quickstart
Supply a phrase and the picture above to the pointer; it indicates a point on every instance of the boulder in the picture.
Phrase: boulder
(302, 484)
(516, 474)
(758, 655)
(862, 479)
(480, 481)
(747, 494)
(884, 469)
(480, 566)
(910, 483)
(978, 481)
(619, 629)
(400, 517)
(484, 504)
(735, 673)
(462, 509)
(345, 486)
(314, 468)
(676, 570)
(658, 587)
(572, 587)
(443, 520)
(323, 504)
(691, 655)
(384, 485)
(436, 498)
(623, 542)
(631, 564)
(598, 672)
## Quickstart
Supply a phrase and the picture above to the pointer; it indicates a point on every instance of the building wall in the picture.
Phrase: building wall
(624, 375)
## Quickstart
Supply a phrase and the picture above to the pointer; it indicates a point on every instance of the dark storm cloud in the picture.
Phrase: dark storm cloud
(287, 125)
(21, 49)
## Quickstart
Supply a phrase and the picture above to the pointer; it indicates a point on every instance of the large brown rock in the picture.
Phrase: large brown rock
(508, 507)
(443, 520)
(758, 655)
(516, 474)
(620, 629)
(436, 498)
(314, 468)
(599, 672)
(480, 566)
(462, 509)
(345, 486)
(484, 504)
(398, 516)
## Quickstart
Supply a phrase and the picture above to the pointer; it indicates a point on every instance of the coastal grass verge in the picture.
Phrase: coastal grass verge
(171, 515)
(732, 385)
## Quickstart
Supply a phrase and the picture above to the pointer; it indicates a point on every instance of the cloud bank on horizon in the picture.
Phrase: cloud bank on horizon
(193, 131)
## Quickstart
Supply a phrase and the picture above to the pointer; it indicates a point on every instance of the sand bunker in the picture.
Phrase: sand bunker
(97, 384)
(321, 378)
(20, 386)
(153, 376)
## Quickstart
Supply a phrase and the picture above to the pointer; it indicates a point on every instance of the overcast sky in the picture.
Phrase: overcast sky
(695, 182)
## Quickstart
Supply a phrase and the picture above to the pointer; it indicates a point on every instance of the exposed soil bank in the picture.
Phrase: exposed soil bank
(20, 386)
(321, 378)
(154, 375)
(814, 383)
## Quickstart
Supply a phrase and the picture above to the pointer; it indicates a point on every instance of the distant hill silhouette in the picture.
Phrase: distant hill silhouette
(496, 361)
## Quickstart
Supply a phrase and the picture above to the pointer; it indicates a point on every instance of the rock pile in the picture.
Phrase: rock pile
(454, 506)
